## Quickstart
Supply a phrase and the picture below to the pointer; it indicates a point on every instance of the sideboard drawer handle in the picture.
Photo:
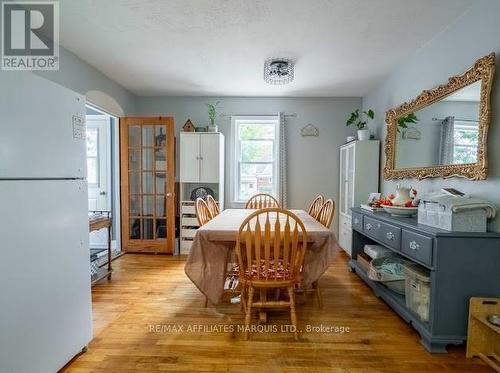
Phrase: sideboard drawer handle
(356, 221)
(414, 245)
(368, 226)
(390, 235)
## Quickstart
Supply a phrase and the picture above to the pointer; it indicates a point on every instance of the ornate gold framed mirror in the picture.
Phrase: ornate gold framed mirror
(443, 132)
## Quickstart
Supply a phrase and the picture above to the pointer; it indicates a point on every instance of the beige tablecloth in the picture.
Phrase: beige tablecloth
(215, 241)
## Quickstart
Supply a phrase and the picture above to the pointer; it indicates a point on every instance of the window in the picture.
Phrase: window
(255, 157)
(465, 142)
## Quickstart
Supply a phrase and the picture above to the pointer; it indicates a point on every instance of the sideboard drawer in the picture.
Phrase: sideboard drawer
(357, 221)
(417, 246)
(371, 227)
(390, 235)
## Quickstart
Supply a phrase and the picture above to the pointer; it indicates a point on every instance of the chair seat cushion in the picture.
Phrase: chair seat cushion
(281, 273)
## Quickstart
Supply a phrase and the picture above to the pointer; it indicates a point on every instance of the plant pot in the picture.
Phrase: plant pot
(212, 128)
(364, 135)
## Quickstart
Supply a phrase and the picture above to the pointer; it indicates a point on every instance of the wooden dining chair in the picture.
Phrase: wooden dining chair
(325, 214)
(202, 212)
(270, 247)
(316, 205)
(325, 217)
(261, 201)
(213, 206)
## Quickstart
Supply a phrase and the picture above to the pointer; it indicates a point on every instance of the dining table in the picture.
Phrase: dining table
(214, 246)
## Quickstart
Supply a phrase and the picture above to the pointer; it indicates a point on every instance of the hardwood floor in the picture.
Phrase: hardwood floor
(149, 294)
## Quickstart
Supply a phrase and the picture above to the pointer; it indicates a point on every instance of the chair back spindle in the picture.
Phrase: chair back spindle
(262, 201)
(202, 212)
(325, 215)
(213, 206)
(316, 205)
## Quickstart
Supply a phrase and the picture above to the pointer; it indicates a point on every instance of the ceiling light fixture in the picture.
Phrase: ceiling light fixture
(278, 71)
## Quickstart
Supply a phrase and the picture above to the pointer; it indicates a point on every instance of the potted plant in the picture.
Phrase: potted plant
(408, 119)
(212, 114)
(356, 118)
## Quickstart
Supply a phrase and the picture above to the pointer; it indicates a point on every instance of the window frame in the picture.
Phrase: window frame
(465, 125)
(235, 157)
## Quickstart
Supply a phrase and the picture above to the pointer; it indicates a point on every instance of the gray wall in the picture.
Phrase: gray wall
(83, 78)
(313, 163)
(452, 52)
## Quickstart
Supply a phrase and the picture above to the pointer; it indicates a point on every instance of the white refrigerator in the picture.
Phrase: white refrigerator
(45, 296)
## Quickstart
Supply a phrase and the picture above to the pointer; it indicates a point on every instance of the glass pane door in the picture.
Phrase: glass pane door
(149, 189)
(350, 179)
(343, 165)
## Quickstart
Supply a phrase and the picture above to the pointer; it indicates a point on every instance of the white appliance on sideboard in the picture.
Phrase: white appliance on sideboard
(201, 165)
(45, 312)
(359, 175)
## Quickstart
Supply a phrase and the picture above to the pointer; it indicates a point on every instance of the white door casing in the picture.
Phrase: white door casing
(99, 171)
(99, 162)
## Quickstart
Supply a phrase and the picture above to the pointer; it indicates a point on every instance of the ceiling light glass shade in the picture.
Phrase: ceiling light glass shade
(278, 71)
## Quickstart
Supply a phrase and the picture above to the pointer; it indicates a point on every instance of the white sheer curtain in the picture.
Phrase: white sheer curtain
(446, 146)
(282, 184)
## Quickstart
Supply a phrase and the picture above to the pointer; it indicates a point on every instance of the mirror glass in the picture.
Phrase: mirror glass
(442, 133)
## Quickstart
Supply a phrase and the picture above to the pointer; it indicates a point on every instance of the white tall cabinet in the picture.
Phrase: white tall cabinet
(359, 176)
(201, 165)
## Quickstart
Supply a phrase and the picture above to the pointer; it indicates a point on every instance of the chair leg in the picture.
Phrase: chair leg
(293, 314)
(318, 293)
(277, 294)
(262, 313)
(248, 314)
(243, 303)
(206, 302)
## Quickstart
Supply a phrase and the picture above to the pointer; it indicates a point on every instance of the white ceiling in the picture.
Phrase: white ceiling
(218, 47)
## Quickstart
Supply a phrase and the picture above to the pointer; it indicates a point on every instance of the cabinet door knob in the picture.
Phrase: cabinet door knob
(368, 226)
(356, 221)
(414, 245)
(390, 235)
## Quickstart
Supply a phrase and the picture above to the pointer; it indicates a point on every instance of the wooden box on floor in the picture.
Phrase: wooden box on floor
(483, 339)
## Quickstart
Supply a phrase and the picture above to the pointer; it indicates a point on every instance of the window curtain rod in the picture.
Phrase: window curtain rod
(291, 115)
(456, 119)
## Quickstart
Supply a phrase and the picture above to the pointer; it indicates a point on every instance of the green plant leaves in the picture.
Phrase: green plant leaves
(356, 118)
(408, 119)
(212, 111)
(370, 113)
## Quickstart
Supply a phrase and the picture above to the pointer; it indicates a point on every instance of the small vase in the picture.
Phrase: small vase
(363, 135)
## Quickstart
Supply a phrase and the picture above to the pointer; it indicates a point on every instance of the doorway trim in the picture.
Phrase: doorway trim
(114, 122)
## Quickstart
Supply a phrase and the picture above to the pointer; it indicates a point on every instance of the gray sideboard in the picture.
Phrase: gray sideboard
(461, 264)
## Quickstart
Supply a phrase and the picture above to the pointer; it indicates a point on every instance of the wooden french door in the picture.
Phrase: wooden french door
(147, 184)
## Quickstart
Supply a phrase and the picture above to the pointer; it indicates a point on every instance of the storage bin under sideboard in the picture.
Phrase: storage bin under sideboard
(461, 265)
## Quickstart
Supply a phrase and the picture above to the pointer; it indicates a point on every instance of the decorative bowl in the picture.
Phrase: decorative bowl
(494, 319)
(401, 211)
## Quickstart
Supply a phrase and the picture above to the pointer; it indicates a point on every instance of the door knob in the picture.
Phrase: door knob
(103, 193)
(169, 194)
